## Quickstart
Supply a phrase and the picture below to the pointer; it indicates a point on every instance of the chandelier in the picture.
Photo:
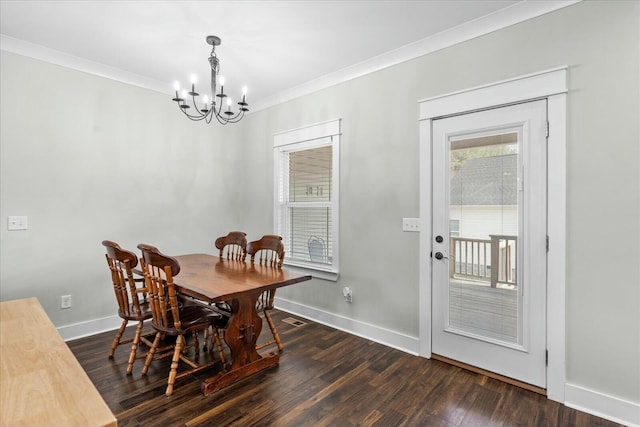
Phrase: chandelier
(207, 108)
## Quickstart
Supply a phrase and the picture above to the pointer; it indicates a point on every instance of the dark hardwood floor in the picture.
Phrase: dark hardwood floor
(325, 378)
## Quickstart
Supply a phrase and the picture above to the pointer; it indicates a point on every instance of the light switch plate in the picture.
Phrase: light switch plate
(410, 224)
(16, 223)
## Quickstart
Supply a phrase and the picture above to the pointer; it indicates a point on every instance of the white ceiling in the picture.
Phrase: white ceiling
(271, 46)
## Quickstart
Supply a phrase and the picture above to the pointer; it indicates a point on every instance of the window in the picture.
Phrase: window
(454, 227)
(306, 197)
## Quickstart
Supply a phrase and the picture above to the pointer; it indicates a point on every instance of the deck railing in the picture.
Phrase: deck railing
(492, 260)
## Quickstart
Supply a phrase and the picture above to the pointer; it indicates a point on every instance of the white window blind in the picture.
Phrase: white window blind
(306, 198)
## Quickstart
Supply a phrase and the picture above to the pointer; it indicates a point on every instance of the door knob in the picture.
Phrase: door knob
(439, 255)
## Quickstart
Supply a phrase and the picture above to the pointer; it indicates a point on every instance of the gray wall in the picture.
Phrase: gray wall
(84, 160)
(88, 159)
(599, 41)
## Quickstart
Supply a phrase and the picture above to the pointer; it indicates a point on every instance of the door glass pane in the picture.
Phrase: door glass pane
(483, 254)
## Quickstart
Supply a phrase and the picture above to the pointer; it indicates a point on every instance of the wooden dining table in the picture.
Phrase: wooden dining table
(239, 284)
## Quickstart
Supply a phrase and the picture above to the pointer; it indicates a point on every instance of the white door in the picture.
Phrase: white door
(489, 240)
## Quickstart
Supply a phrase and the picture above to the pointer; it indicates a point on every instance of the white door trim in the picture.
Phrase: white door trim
(549, 84)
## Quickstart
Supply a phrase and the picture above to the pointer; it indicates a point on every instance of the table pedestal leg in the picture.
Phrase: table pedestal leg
(224, 379)
(241, 335)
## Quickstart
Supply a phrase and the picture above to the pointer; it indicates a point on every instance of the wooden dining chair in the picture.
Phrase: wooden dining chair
(131, 295)
(233, 246)
(169, 320)
(268, 252)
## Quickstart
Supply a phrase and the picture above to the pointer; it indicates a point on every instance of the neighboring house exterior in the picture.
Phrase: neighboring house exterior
(483, 203)
(483, 197)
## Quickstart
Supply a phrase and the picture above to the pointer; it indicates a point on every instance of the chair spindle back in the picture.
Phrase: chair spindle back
(128, 295)
(233, 246)
(269, 250)
(159, 270)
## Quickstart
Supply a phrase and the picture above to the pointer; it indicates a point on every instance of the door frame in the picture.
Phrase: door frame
(552, 86)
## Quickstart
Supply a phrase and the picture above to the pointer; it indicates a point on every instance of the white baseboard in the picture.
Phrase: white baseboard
(602, 405)
(91, 327)
(380, 335)
(374, 333)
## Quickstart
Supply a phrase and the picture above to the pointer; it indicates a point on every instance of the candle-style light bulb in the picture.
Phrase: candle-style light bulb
(176, 86)
(229, 104)
(221, 85)
(244, 93)
(205, 107)
(193, 80)
(184, 93)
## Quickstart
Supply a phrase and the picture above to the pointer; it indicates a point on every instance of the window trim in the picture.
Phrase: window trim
(304, 138)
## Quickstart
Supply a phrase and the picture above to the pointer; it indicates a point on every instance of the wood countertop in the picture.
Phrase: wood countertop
(41, 382)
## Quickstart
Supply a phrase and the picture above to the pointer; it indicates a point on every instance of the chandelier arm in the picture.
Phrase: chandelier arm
(230, 119)
(191, 116)
(195, 105)
(224, 118)
(236, 118)
(184, 111)
(221, 119)
(240, 116)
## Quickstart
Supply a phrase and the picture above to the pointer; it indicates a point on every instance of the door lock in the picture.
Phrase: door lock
(439, 239)
(439, 255)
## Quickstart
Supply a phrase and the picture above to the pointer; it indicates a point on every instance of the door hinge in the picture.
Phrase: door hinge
(547, 129)
(547, 243)
(546, 358)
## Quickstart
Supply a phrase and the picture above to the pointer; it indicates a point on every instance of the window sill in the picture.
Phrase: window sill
(326, 273)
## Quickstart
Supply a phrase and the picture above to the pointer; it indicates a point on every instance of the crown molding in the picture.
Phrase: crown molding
(39, 52)
(519, 12)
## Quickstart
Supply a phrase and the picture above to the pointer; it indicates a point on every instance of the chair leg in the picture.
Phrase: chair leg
(196, 344)
(152, 352)
(116, 340)
(207, 347)
(134, 348)
(274, 331)
(218, 342)
(174, 364)
(210, 338)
